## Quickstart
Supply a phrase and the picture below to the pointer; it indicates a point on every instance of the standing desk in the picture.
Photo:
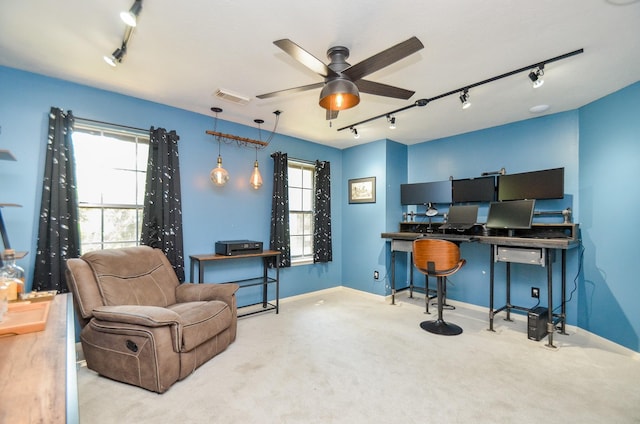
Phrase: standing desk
(536, 246)
(533, 249)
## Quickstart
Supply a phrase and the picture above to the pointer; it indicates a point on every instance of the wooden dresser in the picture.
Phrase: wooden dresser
(38, 379)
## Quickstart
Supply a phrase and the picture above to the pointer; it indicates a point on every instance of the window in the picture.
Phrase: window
(301, 195)
(111, 165)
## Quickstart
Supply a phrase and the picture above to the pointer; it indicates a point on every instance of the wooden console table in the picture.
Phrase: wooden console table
(263, 280)
(38, 379)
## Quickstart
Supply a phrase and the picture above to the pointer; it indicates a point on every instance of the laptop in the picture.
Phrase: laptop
(461, 217)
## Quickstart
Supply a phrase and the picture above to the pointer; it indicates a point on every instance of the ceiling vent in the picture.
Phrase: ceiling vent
(231, 97)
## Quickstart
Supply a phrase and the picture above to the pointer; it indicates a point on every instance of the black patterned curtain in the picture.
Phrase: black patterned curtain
(322, 251)
(279, 238)
(58, 233)
(162, 213)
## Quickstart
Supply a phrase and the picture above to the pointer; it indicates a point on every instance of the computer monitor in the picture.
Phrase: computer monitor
(511, 215)
(545, 184)
(481, 189)
(423, 193)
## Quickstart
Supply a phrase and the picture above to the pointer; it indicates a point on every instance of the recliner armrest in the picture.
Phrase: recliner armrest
(146, 316)
(188, 292)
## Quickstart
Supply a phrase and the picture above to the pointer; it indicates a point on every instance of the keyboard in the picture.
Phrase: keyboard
(450, 237)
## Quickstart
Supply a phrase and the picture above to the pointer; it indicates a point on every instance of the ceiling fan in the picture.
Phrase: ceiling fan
(344, 82)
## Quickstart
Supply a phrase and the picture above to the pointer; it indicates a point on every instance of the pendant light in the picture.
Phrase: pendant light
(219, 176)
(256, 179)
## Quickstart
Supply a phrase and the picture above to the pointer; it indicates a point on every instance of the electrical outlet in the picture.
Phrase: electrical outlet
(535, 292)
(376, 275)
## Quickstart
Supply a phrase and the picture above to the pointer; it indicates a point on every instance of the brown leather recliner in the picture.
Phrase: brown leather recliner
(139, 324)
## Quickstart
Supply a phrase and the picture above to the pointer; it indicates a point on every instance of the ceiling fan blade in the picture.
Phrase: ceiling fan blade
(304, 57)
(370, 87)
(383, 59)
(291, 90)
(331, 114)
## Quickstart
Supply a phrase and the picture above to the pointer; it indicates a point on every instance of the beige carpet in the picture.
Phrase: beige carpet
(342, 356)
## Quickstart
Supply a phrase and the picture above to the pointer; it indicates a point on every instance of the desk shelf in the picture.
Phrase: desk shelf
(263, 280)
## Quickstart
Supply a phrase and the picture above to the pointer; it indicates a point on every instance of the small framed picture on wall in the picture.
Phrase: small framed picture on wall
(362, 190)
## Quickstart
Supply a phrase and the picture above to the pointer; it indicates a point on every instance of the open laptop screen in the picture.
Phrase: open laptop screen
(462, 214)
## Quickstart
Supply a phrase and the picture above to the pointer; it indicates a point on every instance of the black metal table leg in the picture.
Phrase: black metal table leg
(549, 260)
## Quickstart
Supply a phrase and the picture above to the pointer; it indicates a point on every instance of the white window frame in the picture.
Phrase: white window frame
(308, 210)
(141, 140)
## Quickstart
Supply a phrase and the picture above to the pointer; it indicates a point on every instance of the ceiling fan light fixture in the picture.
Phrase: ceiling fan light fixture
(339, 94)
(130, 17)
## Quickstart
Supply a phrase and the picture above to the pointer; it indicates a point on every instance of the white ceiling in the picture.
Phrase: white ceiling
(182, 52)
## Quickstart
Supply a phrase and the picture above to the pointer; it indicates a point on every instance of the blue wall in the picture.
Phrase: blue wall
(542, 143)
(610, 201)
(210, 213)
(363, 222)
(598, 146)
(364, 250)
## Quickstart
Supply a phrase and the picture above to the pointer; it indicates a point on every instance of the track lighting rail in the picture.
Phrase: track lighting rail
(424, 102)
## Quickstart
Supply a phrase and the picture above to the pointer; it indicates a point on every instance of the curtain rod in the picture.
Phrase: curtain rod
(305, 161)
(146, 131)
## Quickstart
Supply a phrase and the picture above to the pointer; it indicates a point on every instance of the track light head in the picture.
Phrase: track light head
(117, 56)
(130, 17)
(536, 76)
(392, 122)
(464, 99)
(355, 133)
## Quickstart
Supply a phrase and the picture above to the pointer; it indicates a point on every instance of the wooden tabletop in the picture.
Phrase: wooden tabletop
(217, 257)
(33, 371)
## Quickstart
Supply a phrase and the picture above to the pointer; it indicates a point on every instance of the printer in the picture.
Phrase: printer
(238, 247)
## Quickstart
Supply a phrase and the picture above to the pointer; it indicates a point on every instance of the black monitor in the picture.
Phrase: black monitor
(511, 215)
(545, 184)
(424, 193)
(481, 189)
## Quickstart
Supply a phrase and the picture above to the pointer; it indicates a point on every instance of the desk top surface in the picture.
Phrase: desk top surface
(551, 243)
(218, 257)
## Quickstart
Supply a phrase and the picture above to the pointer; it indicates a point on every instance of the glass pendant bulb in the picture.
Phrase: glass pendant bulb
(256, 178)
(219, 176)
